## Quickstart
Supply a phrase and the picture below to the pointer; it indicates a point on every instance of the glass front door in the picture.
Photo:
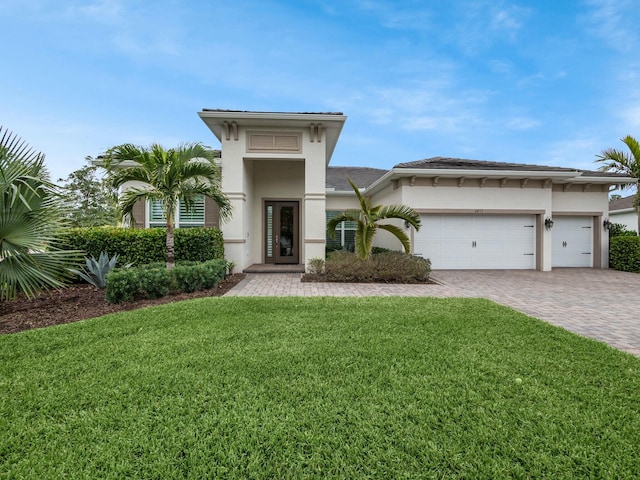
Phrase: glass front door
(282, 242)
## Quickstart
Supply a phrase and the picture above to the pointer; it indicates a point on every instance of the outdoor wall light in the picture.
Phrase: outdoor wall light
(406, 224)
(606, 224)
(548, 223)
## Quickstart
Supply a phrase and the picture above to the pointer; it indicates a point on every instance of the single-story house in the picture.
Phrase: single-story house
(622, 211)
(475, 214)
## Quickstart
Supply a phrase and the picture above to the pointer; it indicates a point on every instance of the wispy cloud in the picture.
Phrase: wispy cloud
(523, 123)
(612, 20)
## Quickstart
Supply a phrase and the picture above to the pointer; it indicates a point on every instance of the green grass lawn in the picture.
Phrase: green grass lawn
(317, 388)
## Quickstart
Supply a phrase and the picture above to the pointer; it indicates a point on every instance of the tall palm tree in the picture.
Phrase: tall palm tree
(171, 176)
(31, 220)
(367, 220)
(624, 162)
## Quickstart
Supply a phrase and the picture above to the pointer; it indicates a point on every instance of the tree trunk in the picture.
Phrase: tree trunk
(170, 247)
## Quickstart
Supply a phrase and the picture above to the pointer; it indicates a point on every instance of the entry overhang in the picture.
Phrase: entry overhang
(326, 126)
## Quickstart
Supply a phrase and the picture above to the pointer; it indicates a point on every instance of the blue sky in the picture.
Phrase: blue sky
(549, 82)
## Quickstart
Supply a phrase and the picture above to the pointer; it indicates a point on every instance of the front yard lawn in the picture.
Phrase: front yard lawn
(316, 388)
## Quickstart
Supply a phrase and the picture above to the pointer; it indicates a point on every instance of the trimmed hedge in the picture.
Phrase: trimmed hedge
(143, 246)
(385, 267)
(155, 281)
(624, 254)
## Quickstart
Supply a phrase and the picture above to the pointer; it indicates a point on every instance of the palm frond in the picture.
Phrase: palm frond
(401, 212)
(399, 234)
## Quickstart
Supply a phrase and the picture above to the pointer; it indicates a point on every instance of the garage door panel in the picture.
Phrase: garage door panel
(477, 241)
(572, 242)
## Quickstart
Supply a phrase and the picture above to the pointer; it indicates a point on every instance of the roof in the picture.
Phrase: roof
(621, 203)
(361, 176)
(465, 164)
(222, 110)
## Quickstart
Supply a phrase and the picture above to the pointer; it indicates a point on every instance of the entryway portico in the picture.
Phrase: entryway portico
(274, 173)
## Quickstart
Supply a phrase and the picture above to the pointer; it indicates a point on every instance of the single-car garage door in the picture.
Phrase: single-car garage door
(477, 241)
(572, 242)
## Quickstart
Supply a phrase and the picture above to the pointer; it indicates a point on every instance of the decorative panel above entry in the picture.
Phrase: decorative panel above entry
(281, 142)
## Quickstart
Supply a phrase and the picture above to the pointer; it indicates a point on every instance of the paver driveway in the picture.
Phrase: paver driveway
(601, 304)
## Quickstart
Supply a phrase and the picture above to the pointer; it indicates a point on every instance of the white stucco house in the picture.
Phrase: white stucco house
(623, 212)
(475, 214)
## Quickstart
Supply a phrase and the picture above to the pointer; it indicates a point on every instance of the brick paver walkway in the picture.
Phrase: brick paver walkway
(601, 304)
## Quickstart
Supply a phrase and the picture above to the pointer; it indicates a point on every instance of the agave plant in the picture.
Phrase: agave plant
(96, 271)
(31, 220)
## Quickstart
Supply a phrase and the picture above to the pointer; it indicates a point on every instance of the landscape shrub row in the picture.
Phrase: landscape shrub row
(624, 253)
(386, 267)
(148, 245)
(155, 281)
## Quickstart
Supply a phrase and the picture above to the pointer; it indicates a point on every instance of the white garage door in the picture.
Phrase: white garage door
(572, 242)
(477, 241)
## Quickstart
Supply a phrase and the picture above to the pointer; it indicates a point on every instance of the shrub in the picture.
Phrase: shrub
(620, 230)
(155, 281)
(375, 250)
(624, 254)
(199, 276)
(143, 246)
(316, 266)
(388, 267)
(122, 285)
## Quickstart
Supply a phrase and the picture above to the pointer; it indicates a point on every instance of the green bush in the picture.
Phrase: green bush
(143, 246)
(123, 285)
(155, 281)
(624, 254)
(620, 230)
(387, 267)
(199, 276)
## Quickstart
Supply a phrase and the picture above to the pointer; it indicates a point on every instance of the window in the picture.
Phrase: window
(345, 234)
(184, 218)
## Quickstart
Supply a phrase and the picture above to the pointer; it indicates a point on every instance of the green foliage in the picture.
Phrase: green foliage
(190, 277)
(143, 246)
(178, 174)
(620, 230)
(625, 162)
(123, 285)
(31, 220)
(368, 219)
(90, 198)
(155, 280)
(388, 267)
(198, 244)
(96, 271)
(624, 254)
(307, 388)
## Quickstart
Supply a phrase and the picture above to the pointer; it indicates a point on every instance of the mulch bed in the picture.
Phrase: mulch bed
(80, 302)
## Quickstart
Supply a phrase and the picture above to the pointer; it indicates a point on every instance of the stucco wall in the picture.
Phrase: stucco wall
(628, 219)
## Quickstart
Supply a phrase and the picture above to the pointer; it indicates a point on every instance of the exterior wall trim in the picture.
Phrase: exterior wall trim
(468, 211)
(577, 214)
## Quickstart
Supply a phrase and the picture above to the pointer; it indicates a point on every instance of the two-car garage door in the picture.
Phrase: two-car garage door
(501, 241)
(477, 241)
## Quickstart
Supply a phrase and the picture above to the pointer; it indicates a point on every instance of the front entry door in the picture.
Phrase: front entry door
(282, 238)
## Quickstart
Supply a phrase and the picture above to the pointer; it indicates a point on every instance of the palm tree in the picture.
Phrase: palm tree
(171, 176)
(624, 162)
(31, 220)
(367, 218)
